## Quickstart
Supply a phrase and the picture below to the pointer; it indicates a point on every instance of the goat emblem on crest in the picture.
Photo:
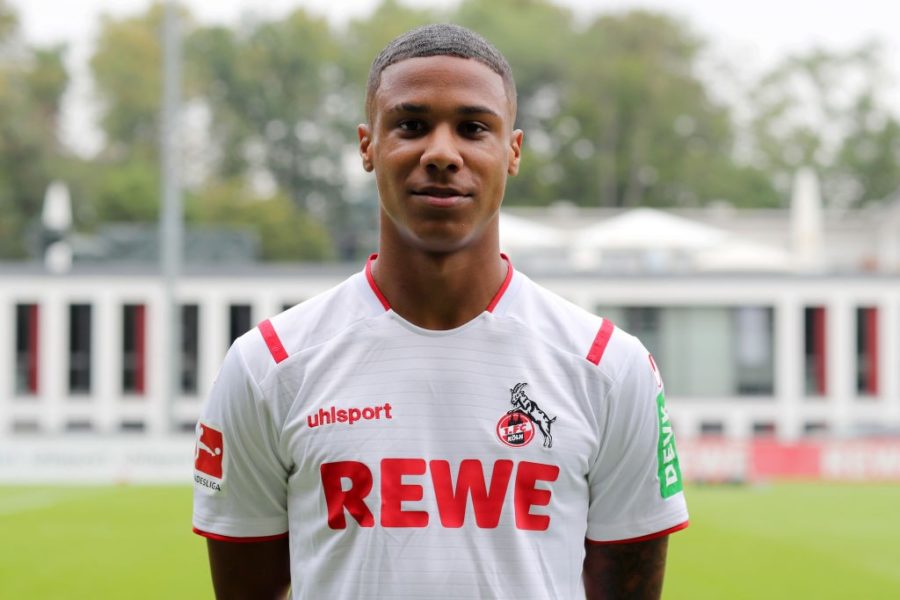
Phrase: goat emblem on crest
(528, 407)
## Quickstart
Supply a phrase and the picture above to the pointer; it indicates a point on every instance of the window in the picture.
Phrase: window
(132, 427)
(764, 429)
(26, 426)
(80, 348)
(706, 351)
(815, 428)
(867, 351)
(79, 426)
(133, 348)
(753, 349)
(190, 345)
(238, 321)
(26, 376)
(645, 322)
(815, 351)
(713, 428)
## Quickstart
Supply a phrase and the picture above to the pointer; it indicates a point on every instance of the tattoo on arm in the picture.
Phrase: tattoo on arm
(633, 571)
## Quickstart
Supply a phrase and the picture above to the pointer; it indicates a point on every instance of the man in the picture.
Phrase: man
(438, 426)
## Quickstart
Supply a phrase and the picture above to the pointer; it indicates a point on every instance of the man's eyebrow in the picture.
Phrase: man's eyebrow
(421, 109)
(477, 110)
(410, 108)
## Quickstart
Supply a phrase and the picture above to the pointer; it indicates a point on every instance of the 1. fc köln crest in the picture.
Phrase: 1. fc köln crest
(517, 427)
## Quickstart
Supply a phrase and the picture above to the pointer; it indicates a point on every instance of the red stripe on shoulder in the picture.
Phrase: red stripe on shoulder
(600, 342)
(239, 540)
(276, 348)
(643, 538)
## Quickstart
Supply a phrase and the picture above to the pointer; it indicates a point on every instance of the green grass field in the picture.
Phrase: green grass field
(792, 541)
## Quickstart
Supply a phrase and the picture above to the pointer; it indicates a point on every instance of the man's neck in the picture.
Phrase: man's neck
(439, 291)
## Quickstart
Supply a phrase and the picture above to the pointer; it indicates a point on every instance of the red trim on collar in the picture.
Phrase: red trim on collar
(490, 307)
(373, 285)
(509, 274)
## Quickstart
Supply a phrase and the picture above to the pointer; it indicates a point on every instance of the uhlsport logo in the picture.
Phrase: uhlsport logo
(516, 428)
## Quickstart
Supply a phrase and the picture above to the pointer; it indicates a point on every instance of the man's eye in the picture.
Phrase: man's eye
(472, 128)
(411, 126)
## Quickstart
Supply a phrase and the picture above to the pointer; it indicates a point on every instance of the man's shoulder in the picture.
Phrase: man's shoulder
(530, 298)
(571, 328)
(308, 324)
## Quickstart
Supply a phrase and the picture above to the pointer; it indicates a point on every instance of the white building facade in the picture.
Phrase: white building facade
(778, 356)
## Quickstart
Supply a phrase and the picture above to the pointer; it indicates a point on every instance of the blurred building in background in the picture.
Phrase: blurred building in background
(769, 325)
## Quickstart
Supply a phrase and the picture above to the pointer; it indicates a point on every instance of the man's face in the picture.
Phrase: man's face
(441, 144)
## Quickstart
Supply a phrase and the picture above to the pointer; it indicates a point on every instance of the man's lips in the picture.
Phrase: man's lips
(440, 196)
(438, 191)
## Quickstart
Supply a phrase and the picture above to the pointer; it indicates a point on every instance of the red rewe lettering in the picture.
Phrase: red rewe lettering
(527, 495)
(394, 492)
(488, 505)
(337, 498)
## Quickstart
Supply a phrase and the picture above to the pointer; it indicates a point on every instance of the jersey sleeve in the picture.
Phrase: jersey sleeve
(240, 478)
(635, 482)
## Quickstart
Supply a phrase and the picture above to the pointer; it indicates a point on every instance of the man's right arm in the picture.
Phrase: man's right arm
(243, 510)
(251, 570)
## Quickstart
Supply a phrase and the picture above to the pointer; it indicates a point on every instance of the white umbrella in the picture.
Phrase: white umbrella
(648, 229)
(741, 255)
(517, 233)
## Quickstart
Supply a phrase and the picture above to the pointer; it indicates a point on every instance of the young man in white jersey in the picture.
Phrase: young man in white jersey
(438, 426)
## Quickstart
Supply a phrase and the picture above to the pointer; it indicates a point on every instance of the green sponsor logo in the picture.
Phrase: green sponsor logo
(669, 471)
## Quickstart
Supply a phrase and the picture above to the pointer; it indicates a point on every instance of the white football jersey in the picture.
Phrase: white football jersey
(409, 463)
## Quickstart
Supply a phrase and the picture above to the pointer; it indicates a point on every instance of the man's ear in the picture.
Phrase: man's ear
(365, 146)
(515, 155)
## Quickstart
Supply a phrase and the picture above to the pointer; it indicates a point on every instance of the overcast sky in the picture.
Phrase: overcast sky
(746, 35)
(769, 25)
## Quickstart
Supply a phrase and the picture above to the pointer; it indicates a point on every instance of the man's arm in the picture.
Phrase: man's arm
(253, 570)
(633, 570)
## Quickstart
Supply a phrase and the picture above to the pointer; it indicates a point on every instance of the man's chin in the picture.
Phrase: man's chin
(442, 242)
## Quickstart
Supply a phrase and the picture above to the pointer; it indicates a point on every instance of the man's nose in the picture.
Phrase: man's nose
(441, 153)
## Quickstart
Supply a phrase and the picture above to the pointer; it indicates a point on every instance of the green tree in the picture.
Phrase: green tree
(250, 83)
(127, 72)
(538, 38)
(32, 81)
(869, 157)
(126, 192)
(286, 233)
(829, 110)
(364, 39)
(9, 22)
(639, 127)
(123, 181)
(269, 89)
(274, 91)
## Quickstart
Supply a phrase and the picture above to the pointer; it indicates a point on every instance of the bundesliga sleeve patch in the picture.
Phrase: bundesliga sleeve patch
(209, 455)
(669, 470)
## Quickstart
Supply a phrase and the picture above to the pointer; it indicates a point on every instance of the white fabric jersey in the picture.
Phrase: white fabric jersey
(409, 463)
